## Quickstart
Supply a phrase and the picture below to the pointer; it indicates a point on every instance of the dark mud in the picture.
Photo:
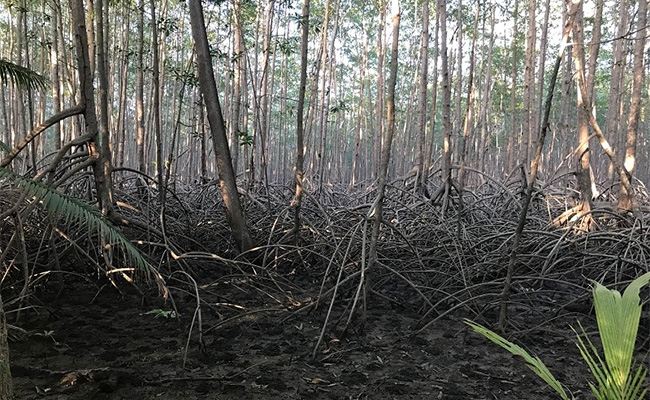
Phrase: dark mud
(83, 346)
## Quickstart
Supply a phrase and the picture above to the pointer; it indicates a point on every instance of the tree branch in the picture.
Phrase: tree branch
(76, 110)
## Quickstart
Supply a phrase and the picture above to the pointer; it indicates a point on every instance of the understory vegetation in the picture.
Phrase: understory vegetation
(437, 270)
(306, 199)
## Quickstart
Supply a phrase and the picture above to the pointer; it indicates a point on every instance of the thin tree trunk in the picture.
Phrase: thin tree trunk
(319, 158)
(155, 108)
(56, 76)
(542, 59)
(263, 114)
(124, 74)
(204, 151)
(6, 383)
(355, 174)
(434, 102)
(446, 109)
(139, 93)
(101, 164)
(379, 135)
(458, 90)
(487, 99)
(618, 66)
(238, 82)
(420, 174)
(626, 194)
(515, 142)
(582, 152)
(103, 138)
(505, 294)
(227, 183)
(468, 120)
(529, 121)
(90, 34)
(299, 172)
(328, 80)
(376, 211)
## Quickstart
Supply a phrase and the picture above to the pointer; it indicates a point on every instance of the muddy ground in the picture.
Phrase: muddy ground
(108, 345)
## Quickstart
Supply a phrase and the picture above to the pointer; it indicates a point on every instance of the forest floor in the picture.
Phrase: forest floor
(262, 312)
(85, 345)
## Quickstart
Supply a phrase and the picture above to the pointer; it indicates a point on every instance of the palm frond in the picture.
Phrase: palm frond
(618, 319)
(534, 363)
(21, 76)
(604, 389)
(74, 210)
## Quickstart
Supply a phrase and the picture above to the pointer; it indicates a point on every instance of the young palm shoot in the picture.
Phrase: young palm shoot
(618, 319)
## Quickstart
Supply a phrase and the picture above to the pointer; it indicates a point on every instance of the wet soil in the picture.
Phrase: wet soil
(85, 345)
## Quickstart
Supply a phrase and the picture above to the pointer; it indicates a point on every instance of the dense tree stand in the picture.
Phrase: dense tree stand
(255, 199)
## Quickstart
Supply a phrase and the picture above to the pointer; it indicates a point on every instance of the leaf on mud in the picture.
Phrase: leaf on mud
(74, 377)
(316, 381)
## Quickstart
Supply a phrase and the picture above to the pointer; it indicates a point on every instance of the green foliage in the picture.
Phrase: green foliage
(72, 210)
(4, 148)
(21, 76)
(245, 139)
(288, 46)
(159, 313)
(533, 363)
(340, 106)
(183, 74)
(618, 323)
(218, 54)
(168, 25)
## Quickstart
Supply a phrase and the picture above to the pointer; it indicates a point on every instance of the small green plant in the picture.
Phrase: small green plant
(618, 319)
(159, 313)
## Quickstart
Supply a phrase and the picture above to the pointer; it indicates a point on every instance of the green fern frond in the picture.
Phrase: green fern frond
(21, 76)
(73, 210)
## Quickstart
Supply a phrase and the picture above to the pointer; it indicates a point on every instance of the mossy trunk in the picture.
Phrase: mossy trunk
(6, 388)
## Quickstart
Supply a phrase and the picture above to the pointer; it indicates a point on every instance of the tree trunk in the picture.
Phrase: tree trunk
(626, 195)
(582, 152)
(594, 49)
(376, 211)
(124, 81)
(543, 44)
(468, 120)
(446, 107)
(139, 93)
(420, 174)
(486, 99)
(529, 120)
(155, 109)
(379, 107)
(97, 145)
(355, 174)
(434, 100)
(227, 183)
(6, 386)
(103, 138)
(263, 110)
(319, 159)
(300, 145)
(618, 66)
(457, 122)
(54, 66)
(238, 83)
(514, 139)
(505, 294)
